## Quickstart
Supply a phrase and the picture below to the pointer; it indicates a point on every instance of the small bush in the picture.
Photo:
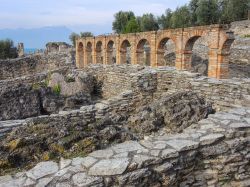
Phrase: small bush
(70, 79)
(57, 89)
(246, 36)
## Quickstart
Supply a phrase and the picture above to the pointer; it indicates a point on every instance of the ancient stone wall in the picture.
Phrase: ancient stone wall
(33, 64)
(215, 152)
(223, 94)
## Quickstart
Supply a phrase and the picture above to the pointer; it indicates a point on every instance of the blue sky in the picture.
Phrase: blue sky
(74, 13)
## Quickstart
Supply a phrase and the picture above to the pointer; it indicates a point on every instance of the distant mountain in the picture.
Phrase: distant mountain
(38, 37)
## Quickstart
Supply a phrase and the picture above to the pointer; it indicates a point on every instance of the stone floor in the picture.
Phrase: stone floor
(124, 164)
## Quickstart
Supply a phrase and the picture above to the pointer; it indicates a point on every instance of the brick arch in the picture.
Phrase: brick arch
(80, 56)
(160, 49)
(89, 49)
(188, 44)
(110, 52)
(143, 56)
(99, 52)
(123, 51)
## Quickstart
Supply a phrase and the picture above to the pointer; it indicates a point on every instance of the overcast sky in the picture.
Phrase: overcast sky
(74, 13)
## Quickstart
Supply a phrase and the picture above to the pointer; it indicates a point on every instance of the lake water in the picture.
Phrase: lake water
(30, 50)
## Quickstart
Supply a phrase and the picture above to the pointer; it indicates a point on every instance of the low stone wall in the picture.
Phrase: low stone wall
(33, 64)
(223, 94)
(215, 152)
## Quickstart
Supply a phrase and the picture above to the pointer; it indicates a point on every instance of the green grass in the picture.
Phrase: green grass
(57, 89)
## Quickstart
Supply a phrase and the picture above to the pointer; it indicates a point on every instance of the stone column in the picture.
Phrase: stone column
(133, 50)
(20, 50)
(94, 52)
(118, 50)
(186, 60)
(179, 51)
(153, 50)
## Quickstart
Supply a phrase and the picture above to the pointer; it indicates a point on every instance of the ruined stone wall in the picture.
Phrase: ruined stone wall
(223, 94)
(113, 80)
(215, 152)
(33, 64)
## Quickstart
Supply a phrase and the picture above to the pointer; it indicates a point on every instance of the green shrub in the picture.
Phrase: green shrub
(70, 79)
(7, 49)
(246, 36)
(57, 89)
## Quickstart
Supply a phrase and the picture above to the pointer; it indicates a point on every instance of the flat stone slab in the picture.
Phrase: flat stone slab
(107, 153)
(183, 145)
(128, 147)
(109, 167)
(82, 179)
(42, 169)
(211, 138)
(239, 125)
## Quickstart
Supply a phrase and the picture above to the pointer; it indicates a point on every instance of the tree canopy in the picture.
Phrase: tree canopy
(7, 49)
(73, 36)
(196, 12)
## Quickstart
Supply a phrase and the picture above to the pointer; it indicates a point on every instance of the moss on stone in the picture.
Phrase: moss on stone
(14, 144)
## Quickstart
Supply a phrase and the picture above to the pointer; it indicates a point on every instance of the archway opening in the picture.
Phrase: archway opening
(89, 52)
(223, 61)
(196, 55)
(166, 53)
(80, 52)
(125, 52)
(143, 53)
(99, 53)
(111, 53)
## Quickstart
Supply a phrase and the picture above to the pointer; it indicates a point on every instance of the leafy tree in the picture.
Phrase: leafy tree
(131, 27)
(164, 20)
(181, 17)
(86, 34)
(193, 5)
(7, 49)
(148, 22)
(207, 12)
(73, 36)
(121, 21)
(234, 10)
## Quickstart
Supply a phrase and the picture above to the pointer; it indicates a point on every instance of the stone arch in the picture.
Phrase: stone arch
(143, 52)
(166, 47)
(99, 52)
(80, 54)
(188, 51)
(125, 57)
(111, 52)
(89, 52)
(223, 59)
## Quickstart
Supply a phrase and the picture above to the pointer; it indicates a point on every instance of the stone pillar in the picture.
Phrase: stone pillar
(153, 50)
(94, 52)
(213, 62)
(179, 51)
(133, 50)
(186, 60)
(118, 50)
(20, 50)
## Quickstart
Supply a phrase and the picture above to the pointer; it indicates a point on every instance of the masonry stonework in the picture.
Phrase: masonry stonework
(98, 49)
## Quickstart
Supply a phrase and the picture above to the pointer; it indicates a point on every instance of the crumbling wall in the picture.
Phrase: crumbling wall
(33, 64)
